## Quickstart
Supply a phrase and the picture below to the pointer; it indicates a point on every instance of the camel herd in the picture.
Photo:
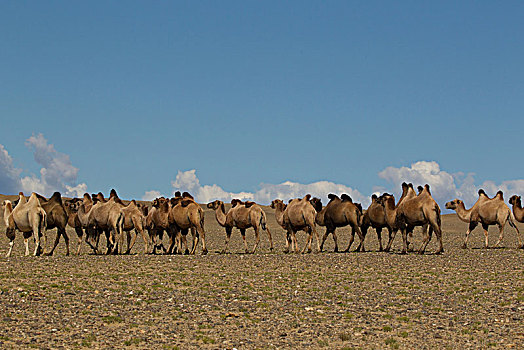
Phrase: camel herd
(93, 215)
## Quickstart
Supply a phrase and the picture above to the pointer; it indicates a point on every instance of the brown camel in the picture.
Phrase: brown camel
(242, 216)
(185, 214)
(28, 217)
(420, 210)
(340, 212)
(105, 217)
(375, 217)
(486, 211)
(299, 214)
(56, 218)
(157, 221)
(518, 211)
(71, 206)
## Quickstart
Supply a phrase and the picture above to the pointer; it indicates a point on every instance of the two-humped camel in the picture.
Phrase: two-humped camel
(71, 206)
(57, 217)
(242, 216)
(157, 222)
(299, 214)
(185, 214)
(486, 211)
(340, 212)
(375, 217)
(420, 210)
(107, 217)
(133, 220)
(28, 217)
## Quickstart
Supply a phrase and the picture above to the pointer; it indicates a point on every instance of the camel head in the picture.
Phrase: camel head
(385, 198)
(515, 200)
(157, 202)
(73, 204)
(316, 203)
(276, 203)
(453, 205)
(178, 194)
(215, 204)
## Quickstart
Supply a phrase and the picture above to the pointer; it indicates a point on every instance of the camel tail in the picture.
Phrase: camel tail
(263, 221)
(43, 222)
(511, 220)
(437, 211)
(201, 212)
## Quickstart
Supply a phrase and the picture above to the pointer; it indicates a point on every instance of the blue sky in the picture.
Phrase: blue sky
(250, 93)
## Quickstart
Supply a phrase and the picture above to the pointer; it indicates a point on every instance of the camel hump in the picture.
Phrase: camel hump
(332, 196)
(174, 201)
(420, 189)
(20, 193)
(187, 195)
(178, 194)
(346, 198)
(184, 203)
(500, 195)
(426, 187)
(113, 193)
(481, 191)
(307, 197)
(235, 202)
(410, 185)
(118, 200)
(359, 207)
(249, 204)
(374, 197)
(56, 197)
(133, 202)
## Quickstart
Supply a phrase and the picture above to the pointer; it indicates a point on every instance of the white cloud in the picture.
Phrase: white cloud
(150, 195)
(57, 172)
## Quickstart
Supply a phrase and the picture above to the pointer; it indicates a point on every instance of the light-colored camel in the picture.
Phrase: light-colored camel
(242, 216)
(157, 222)
(486, 211)
(28, 217)
(185, 214)
(340, 212)
(56, 218)
(420, 210)
(518, 211)
(133, 220)
(299, 214)
(105, 217)
(374, 217)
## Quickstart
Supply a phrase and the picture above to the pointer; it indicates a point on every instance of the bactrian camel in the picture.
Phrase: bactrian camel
(185, 214)
(28, 217)
(374, 217)
(340, 212)
(157, 222)
(486, 211)
(56, 218)
(242, 216)
(299, 214)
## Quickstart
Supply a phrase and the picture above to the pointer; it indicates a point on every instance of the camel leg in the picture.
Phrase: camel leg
(392, 234)
(351, 239)
(229, 230)
(288, 242)
(360, 236)
(131, 240)
(36, 235)
(427, 239)
(335, 239)
(26, 244)
(471, 227)
(172, 242)
(11, 243)
(57, 240)
(438, 234)
(404, 241)
(11, 234)
(501, 234)
(326, 234)
(202, 234)
(79, 236)
(485, 228)
(512, 224)
(66, 239)
(294, 245)
(313, 227)
(379, 237)
(309, 240)
(243, 233)
(257, 239)
(196, 236)
(270, 238)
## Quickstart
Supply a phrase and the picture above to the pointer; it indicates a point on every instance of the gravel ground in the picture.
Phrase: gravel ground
(470, 298)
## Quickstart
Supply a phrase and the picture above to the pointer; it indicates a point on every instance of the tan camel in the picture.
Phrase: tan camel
(92, 234)
(56, 218)
(518, 211)
(420, 210)
(157, 222)
(375, 217)
(486, 211)
(299, 214)
(107, 217)
(133, 220)
(340, 212)
(185, 214)
(242, 216)
(28, 217)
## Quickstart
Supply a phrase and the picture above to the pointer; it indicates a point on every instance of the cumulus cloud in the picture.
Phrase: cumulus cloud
(150, 195)
(57, 172)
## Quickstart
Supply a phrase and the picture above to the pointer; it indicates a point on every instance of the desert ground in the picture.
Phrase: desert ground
(471, 298)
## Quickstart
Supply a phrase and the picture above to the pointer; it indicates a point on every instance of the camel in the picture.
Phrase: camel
(133, 219)
(299, 214)
(518, 211)
(28, 217)
(71, 206)
(340, 212)
(56, 218)
(374, 217)
(107, 217)
(242, 216)
(413, 211)
(157, 221)
(486, 211)
(185, 214)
